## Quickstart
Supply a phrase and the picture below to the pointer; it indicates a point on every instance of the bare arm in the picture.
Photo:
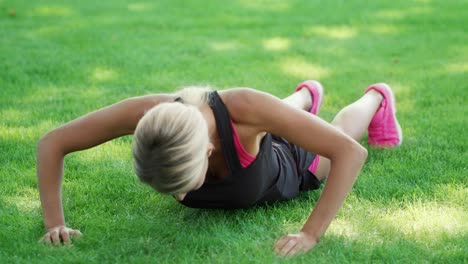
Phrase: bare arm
(269, 114)
(82, 133)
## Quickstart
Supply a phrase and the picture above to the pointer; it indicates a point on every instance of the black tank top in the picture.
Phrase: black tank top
(271, 177)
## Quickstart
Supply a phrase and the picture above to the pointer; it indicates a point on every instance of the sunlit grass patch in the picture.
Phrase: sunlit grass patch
(428, 221)
(461, 67)
(224, 45)
(385, 29)
(276, 44)
(302, 69)
(452, 194)
(53, 10)
(400, 14)
(24, 133)
(138, 7)
(335, 32)
(344, 228)
(26, 202)
(103, 74)
(15, 115)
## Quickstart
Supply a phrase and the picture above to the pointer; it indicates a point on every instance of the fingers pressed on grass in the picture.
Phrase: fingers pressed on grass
(296, 248)
(65, 236)
(55, 237)
(280, 243)
(288, 246)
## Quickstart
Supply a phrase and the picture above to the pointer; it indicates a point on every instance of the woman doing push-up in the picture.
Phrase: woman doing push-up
(234, 148)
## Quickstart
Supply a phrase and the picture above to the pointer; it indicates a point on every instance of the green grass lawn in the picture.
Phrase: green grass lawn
(62, 59)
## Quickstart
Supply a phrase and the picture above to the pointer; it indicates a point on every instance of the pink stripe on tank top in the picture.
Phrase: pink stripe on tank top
(245, 158)
(314, 165)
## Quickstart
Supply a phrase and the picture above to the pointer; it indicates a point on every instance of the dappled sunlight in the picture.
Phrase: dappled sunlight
(302, 69)
(103, 74)
(451, 193)
(270, 5)
(384, 29)
(428, 221)
(423, 222)
(18, 133)
(26, 201)
(461, 67)
(391, 14)
(89, 93)
(224, 45)
(15, 116)
(28, 133)
(139, 7)
(60, 11)
(400, 14)
(64, 59)
(343, 228)
(334, 32)
(276, 44)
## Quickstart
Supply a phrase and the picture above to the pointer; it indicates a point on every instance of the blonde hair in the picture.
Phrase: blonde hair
(170, 143)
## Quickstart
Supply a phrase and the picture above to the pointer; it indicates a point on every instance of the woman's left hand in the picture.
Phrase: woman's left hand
(292, 244)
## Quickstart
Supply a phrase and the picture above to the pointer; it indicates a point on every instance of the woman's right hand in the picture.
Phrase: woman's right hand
(88, 131)
(60, 234)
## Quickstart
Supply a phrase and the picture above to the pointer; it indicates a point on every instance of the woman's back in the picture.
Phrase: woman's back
(272, 176)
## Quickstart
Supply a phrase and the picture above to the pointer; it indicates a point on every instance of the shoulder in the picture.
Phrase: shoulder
(240, 102)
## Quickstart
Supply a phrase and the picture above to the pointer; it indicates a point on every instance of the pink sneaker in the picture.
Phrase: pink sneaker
(384, 129)
(316, 90)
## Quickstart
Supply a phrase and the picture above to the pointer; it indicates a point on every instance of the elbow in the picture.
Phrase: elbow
(352, 150)
(43, 141)
(47, 142)
(357, 150)
(359, 153)
(362, 153)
